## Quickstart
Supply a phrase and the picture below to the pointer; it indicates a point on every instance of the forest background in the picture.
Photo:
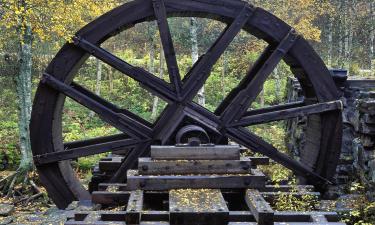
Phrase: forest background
(32, 31)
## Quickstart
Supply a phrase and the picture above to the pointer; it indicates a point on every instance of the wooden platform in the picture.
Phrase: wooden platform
(209, 207)
(188, 186)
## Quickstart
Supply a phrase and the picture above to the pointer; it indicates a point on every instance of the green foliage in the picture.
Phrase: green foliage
(289, 202)
(362, 210)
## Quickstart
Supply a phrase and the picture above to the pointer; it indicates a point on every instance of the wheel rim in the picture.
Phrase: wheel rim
(319, 88)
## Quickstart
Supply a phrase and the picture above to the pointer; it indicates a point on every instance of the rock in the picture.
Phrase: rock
(55, 216)
(348, 202)
(6, 220)
(6, 209)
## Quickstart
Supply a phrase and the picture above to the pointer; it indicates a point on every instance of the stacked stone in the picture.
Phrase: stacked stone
(358, 146)
(361, 118)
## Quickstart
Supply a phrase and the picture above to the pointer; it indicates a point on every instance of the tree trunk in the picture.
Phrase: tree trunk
(223, 74)
(277, 84)
(261, 98)
(151, 68)
(330, 42)
(372, 37)
(110, 79)
(98, 85)
(195, 55)
(349, 33)
(161, 75)
(341, 46)
(23, 83)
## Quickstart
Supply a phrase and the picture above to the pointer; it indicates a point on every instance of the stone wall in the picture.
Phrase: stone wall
(357, 160)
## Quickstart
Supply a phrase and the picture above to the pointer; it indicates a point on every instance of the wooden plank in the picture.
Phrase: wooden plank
(256, 161)
(130, 162)
(104, 186)
(134, 207)
(150, 82)
(289, 223)
(203, 206)
(287, 188)
(238, 216)
(147, 166)
(299, 194)
(254, 180)
(319, 219)
(109, 166)
(113, 215)
(110, 198)
(95, 223)
(289, 113)
(84, 151)
(97, 218)
(274, 108)
(154, 223)
(303, 216)
(155, 215)
(261, 210)
(362, 84)
(122, 122)
(224, 152)
(166, 39)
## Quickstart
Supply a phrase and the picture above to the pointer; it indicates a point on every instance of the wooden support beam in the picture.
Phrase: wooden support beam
(218, 152)
(289, 113)
(110, 198)
(134, 207)
(166, 39)
(84, 151)
(121, 121)
(254, 180)
(150, 82)
(274, 108)
(202, 206)
(147, 166)
(258, 206)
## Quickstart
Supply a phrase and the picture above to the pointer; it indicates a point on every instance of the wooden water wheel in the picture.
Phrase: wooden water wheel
(52, 157)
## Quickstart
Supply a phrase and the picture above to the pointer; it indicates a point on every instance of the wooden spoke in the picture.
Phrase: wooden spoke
(199, 73)
(109, 105)
(121, 121)
(244, 82)
(84, 151)
(94, 141)
(150, 82)
(166, 39)
(275, 108)
(288, 113)
(257, 144)
(130, 162)
(245, 97)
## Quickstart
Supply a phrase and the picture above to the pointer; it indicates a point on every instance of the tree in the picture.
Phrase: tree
(195, 55)
(32, 22)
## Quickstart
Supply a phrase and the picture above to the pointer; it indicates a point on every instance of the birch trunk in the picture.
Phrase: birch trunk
(110, 79)
(223, 73)
(330, 42)
(277, 85)
(23, 83)
(161, 76)
(195, 55)
(372, 37)
(151, 69)
(98, 85)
